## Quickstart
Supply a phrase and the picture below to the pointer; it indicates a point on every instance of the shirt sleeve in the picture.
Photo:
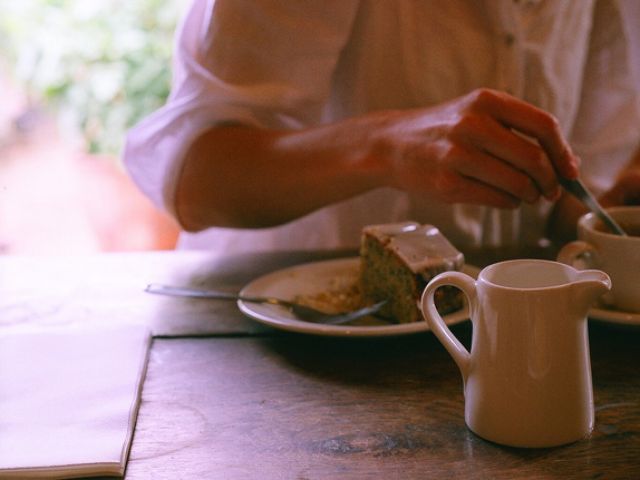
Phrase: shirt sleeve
(264, 63)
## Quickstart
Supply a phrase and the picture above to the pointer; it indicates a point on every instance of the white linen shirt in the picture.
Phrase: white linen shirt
(296, 64)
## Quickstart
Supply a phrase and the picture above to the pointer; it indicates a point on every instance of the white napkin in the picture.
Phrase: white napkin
(69, 400)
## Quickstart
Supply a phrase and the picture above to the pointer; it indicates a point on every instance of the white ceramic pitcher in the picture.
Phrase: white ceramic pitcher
(527, 376)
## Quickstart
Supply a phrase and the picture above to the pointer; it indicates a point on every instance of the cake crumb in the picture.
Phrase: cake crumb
(342, 295)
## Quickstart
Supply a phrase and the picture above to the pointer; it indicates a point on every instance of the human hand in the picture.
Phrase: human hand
(473, 150)
(625, 191)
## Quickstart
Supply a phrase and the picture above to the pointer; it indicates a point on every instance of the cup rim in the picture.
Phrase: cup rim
(589, 220)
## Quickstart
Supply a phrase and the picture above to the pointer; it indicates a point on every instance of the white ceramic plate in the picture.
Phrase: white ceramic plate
(316, 278)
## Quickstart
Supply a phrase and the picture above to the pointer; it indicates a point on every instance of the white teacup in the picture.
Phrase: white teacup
(527, 377)
(619, 256)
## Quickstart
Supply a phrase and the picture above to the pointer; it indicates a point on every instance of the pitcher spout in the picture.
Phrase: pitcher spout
(589, 286)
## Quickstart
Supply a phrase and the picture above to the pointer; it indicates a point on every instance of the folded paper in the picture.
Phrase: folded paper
(69, 400)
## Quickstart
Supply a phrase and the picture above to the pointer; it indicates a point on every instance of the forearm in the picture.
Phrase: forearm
(464, 151)
(244, 177)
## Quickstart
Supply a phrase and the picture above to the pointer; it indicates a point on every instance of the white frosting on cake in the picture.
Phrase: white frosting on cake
(422, 247)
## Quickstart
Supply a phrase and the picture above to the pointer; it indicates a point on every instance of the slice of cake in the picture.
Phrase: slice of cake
(398, 260)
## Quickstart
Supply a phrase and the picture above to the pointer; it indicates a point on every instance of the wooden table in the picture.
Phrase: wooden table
(228, 398)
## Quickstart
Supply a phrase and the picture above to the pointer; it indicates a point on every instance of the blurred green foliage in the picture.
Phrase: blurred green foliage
(103, 64)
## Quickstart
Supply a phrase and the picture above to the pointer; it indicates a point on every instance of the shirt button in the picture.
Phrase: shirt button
(509, 39)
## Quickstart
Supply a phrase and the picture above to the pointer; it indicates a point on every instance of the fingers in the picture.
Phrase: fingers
(532, 121)
(527, 157)
(490, 171)
(459, 189)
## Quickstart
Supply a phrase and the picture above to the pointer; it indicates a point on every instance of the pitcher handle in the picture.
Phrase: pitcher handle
(468, 285)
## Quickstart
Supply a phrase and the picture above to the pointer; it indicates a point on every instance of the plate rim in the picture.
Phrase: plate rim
(300, 326)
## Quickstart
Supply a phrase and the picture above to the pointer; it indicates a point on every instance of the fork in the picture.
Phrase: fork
(576, 188)
(303, 312)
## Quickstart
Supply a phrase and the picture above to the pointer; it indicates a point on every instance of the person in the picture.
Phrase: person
(291, 125)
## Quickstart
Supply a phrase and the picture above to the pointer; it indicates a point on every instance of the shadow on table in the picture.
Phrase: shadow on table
(381, 362)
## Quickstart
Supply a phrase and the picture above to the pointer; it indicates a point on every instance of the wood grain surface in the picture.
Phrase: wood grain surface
(227, 398)
(289, 406)
(52, 292)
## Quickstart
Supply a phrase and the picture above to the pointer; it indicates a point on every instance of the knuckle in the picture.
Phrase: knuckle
(481, 97)
(453, 151)
(466, 124)
(551, 123)
(455, 156)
